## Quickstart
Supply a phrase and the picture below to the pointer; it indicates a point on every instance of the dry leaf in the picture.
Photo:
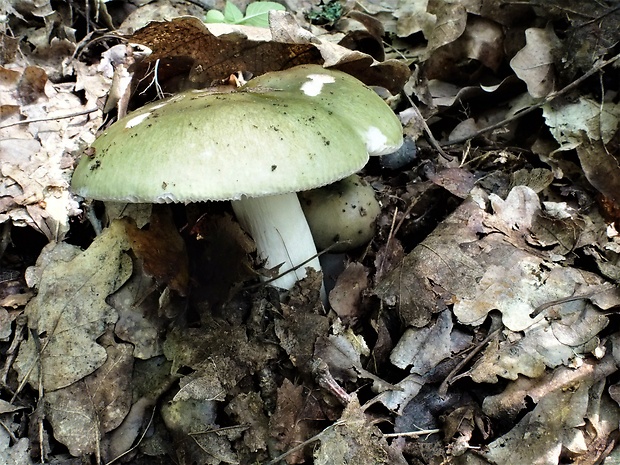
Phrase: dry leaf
(353, 440)
(70, 312)
(534, 62)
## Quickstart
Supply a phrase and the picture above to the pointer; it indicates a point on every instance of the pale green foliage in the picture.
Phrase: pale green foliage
(256, 14)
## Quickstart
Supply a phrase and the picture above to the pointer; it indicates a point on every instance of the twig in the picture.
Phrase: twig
(547, 99)
(49, 118)
(431, 138)
(541, 308)
(412, 434)
(295, 268)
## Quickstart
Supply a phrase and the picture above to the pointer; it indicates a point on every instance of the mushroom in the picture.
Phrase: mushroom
(281, 133)
(341, 215)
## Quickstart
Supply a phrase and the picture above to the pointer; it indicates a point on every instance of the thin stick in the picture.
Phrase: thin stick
(49, 118)
(547, 99)
(296, 267)
(412, 434)
(431, 138)
(541, 308)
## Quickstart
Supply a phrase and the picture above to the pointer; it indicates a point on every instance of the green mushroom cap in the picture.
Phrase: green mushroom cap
(282, 132)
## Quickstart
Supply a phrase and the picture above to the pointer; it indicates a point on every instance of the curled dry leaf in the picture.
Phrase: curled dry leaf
(214, 51)
(534, 62)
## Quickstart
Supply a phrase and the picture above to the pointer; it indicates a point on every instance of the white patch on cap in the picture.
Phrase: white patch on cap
(137, 120)
(375, 141)
(159, 105)
(314, 86)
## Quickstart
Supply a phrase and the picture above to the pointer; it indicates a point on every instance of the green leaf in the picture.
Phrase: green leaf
(214, 16)
(232, 14)
(257, 13)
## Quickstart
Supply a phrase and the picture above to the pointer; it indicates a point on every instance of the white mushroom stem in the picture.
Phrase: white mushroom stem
(281, 233)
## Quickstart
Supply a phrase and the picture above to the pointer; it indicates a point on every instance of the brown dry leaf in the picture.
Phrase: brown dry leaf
(346, 297)
(414, 287)
(291, 422)
(162, 250)
(450, 24)
(592, 128)
(413, 17)
(221, 354)
(212, 52)
(302, 324)
(352, 440)
(534, 62)
(441, 23)
(139, 320)
(515, 397)
(484, 41)
(573, 123)
(602, 168)
(363, 33)
(457, 181)
(83, 412)
(460, 425)
(70, 312)
(342, 352)
(464, 263)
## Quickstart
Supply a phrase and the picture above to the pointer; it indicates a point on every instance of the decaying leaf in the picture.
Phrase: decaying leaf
(346, 296)
(292, 420)
(248, 410)
(220, 354)
(84, 411)
(590, 127)
(584, 121)
(342, 353)
(70, 312)
(196, 434)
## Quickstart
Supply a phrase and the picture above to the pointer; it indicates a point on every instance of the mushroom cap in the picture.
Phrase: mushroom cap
(341, 215)
(283, 132)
